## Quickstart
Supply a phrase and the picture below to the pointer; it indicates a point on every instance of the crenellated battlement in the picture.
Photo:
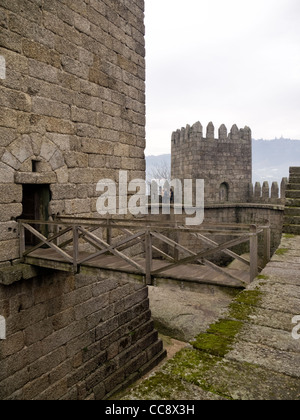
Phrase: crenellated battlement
(225, 162)
(196, 132)
(264, 193)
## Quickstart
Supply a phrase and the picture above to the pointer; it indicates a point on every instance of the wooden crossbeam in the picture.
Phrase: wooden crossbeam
(172, 243)
(225, 251)
(111, 248)
(154, 248)
(224, 272)
(52, 238)
(46, 242)
(204, 254)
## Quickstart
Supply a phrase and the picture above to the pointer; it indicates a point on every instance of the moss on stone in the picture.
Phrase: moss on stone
(263, 277)
(219, 338)
(203, 365)
(245, 305)
(159, 386)
(249, 297)
(289, 236)
(282, 251)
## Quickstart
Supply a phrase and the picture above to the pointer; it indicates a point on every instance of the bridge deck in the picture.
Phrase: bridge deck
(48, 258)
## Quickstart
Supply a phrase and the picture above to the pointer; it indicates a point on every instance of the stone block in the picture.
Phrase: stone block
(35, 178)
(75, 67)
(10, 193)
(75, 207)
(62, 175)
(42, 71)
(10, 211)
(63, 191)
(21, 149)
(15, 100)
(57, 125)
(8, 231)
(47, 149)
(78, 176)
(50, 108)
(13, 344)
(97, 161)
(6, 174)
(57, 207)
(7, 136)
(62, 141)
(76, 160)
(57, 160)
(40, 53)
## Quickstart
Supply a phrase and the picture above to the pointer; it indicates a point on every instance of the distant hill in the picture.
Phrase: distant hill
(271, 159)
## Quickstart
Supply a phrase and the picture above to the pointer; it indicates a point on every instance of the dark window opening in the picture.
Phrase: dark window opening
(35, 166)
(224, 192)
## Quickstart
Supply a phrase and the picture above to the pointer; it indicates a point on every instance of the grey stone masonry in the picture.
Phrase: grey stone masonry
(292, 208)
(75, 337)
(224, 163)
(72, 102)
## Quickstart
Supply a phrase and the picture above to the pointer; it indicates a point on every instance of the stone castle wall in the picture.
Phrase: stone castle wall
(75, 337)
(72, 112)
(224, 163)
(72, 103)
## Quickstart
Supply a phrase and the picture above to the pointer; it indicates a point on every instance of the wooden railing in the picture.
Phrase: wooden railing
(68, 237)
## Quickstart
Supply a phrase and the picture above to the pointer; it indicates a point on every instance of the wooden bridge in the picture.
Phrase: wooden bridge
(67, 244)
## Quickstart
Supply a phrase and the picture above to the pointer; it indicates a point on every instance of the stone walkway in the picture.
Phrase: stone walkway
(250, 353)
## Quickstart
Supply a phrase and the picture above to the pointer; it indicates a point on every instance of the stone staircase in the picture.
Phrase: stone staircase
(291, 223)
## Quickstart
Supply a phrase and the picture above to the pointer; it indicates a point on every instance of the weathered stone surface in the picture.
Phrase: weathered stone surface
(182, 314)
(9, 250)
(74, 90)
(250, 353)
(63, 332)
(10, 193)
(6, 174)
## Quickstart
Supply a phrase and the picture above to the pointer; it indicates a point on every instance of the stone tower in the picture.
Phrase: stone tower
(72, 112)
(72, 106)
(225, 163)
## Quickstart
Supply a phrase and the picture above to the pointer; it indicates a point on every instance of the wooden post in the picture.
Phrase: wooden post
(22, 239)
(176, 250)
(267, 244)
(55, 232)
(148, 254)
(75, 248)
(108, 232)
(253, 253)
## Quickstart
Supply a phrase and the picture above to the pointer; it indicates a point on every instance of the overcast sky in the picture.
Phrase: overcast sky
(225, 61)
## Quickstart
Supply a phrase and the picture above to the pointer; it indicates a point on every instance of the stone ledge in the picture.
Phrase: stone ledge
(13, 274)
(35, 178)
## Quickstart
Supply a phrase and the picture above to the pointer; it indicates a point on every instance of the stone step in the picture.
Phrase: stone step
(295, 187)
(295, 170)
(292, 211)
(293, 229)
(292, 220)
(292, 202)
(293, 179)
(292, 194)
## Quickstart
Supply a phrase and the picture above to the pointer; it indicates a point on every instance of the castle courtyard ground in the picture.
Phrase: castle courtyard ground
(252, 352)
